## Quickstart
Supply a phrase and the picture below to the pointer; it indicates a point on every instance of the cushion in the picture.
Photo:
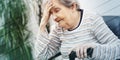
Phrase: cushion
(113, 23)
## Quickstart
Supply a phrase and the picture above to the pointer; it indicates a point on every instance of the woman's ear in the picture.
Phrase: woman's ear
(74, 6)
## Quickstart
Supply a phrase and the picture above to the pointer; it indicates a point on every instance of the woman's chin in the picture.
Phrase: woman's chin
(63, 26)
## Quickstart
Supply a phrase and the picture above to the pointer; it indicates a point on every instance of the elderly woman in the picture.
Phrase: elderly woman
(76, 30)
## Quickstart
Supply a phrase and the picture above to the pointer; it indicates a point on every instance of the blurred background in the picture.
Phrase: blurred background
(102, 7)
(19, 23)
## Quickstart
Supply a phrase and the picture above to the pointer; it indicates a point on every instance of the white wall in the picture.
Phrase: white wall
(103, 7)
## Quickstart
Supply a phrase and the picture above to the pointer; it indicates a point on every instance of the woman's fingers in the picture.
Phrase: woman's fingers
(81, 51)
(78, 53)
(85, 52)
(47, 6)
(46, 12)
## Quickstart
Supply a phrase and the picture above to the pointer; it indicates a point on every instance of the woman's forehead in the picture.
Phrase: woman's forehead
(55, 1)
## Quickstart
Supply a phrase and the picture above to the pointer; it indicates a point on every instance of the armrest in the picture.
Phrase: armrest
(72, 55)
(58, 54)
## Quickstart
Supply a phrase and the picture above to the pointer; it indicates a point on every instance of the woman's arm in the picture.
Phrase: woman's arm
(46, 46)
(109, 44)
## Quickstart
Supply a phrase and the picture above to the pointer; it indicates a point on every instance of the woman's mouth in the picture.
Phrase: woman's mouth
(59, 22)
(58, 19)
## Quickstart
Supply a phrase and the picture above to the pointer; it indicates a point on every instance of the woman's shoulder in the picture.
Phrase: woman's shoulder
(91, 15)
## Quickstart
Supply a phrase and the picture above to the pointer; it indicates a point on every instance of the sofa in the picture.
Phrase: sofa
(113, 23)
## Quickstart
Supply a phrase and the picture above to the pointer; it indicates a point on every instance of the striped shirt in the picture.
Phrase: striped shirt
(91, 30)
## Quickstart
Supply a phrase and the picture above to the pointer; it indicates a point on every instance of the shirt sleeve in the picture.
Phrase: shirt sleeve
(46, 45)
(109, 44)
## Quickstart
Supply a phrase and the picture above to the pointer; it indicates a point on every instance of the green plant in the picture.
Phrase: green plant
(13, 31)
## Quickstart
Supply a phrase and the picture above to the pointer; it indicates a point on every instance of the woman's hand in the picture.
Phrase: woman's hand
(46, 14)
(81, 49)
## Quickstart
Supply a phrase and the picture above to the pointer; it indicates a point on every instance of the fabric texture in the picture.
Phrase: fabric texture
(91, 30)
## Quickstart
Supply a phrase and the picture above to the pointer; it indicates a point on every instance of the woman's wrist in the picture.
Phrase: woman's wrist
(42, 27)
(44, 21)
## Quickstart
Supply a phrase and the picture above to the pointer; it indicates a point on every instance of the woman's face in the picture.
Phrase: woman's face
(62, 14)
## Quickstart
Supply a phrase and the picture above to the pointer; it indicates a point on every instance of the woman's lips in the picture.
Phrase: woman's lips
(58, 19)
(59, 23)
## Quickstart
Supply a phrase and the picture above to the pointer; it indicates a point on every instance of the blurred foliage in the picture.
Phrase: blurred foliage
(13, 31)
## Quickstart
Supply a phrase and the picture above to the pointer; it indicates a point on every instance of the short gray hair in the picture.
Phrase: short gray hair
(68, 3)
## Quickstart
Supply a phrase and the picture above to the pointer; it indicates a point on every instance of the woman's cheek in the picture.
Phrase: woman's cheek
(61, 23)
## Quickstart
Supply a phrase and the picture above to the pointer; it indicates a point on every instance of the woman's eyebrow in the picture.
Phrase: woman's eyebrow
(53, 8)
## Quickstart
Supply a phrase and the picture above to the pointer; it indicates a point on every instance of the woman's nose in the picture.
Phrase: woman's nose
(55, 18)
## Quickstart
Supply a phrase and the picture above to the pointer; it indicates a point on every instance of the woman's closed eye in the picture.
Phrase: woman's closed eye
(57, 10)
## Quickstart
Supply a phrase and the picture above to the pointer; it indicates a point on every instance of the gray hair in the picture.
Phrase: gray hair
(67, 3)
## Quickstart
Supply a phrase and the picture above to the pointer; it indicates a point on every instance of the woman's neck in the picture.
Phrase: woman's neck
(76, 20)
